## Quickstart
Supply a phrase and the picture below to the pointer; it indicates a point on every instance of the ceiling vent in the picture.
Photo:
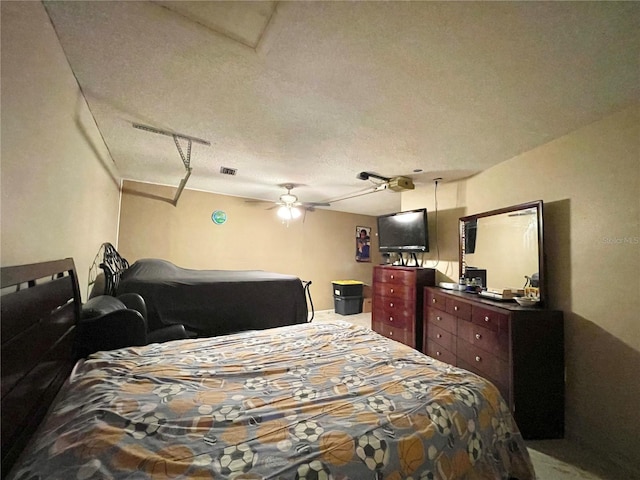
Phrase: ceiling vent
(228, 171)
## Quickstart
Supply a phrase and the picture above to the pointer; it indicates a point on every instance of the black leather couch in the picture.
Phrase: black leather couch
(108, 323)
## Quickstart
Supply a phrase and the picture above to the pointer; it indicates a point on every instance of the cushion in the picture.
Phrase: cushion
(101, 305)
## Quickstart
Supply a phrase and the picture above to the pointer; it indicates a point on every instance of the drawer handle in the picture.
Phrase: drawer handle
(392, 277)
(478, 359)
(438, 318)
(391, 319)
(433, 300)
(455, 308)
(391, 290)
(486, 319)
(478, 336)
(438, 354)
(438, 335)
(391, 334)
(391, 304)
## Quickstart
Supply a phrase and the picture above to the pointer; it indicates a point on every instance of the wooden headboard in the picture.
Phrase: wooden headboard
(40, 307)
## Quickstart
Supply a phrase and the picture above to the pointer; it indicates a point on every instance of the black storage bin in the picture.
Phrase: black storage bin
(347, 288)
(347, 305)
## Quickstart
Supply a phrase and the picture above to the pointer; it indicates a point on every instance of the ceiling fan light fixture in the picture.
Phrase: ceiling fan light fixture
(287, 212)
(288, 198)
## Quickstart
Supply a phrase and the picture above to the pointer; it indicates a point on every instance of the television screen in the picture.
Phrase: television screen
(403, 231)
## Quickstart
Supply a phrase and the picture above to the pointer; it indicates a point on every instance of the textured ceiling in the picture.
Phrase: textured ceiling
(312, 93)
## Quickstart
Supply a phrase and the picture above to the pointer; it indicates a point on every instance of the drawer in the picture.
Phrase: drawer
(442, 337)
(403, 335)
(394, 317)
(488, 340)
(390, 275)
(504, 388)
(458, 308)
(492, 319)
(396, 306)
(482, 362)
(406, 293)
(434, 299)
(441, 319)
(437, 351)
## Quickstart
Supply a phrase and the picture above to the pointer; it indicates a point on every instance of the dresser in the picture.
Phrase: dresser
(519, 349)
(397, 302)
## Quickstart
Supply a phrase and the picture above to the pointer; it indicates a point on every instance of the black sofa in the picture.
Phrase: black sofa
(108, 323)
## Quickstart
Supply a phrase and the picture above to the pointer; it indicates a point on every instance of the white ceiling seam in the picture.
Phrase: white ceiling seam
(196, 12)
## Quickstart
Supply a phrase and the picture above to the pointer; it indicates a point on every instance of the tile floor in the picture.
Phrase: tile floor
(552, 459)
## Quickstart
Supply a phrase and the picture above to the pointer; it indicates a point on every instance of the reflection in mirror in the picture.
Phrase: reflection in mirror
(504, 247)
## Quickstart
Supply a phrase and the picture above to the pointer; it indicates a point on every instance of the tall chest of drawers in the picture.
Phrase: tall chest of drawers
(520, 350)
(397, 302)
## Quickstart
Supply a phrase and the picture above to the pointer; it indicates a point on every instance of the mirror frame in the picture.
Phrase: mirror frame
(537, 204)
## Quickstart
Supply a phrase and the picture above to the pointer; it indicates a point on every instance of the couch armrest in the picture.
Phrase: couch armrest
(135, 302)
(118, 329)
(173, 332)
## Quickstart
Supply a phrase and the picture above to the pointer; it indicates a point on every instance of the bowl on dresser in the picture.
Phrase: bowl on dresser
(526, 301)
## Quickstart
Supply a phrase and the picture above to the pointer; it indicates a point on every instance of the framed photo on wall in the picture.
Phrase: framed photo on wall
(363, 244)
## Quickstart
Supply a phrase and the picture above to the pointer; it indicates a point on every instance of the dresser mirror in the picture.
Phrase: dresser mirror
(504, 247)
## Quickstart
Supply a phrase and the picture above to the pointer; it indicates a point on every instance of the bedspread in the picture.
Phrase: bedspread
(307, 401)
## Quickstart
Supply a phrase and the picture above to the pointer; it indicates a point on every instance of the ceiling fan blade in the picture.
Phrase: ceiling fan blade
(316, 204)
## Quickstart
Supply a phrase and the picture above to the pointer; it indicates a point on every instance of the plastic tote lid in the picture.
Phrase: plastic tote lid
(347, 282)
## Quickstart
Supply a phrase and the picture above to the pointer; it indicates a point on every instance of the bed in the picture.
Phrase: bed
(305, 401)
(207, 302)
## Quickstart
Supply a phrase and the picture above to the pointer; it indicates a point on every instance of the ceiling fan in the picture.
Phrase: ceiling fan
(290, 206)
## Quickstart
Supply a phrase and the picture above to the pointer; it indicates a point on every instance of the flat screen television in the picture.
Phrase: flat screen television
(403, 232)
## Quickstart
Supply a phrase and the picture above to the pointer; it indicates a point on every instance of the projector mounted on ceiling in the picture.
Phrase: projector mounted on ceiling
(400, 184)
(397, 184)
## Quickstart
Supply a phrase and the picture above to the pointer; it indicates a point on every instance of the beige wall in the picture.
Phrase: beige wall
(59, 191)
(590, 183)
(321, 248)
(443, 225)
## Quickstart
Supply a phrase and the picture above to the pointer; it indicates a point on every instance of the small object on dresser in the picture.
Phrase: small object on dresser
(502, 293)
(473, 287)
(526, 301)
(495, 296)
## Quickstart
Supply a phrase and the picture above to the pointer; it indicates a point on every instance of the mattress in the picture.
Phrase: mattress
(297, 402)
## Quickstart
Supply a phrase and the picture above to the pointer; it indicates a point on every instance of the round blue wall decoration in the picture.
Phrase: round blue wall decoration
(219, 217)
